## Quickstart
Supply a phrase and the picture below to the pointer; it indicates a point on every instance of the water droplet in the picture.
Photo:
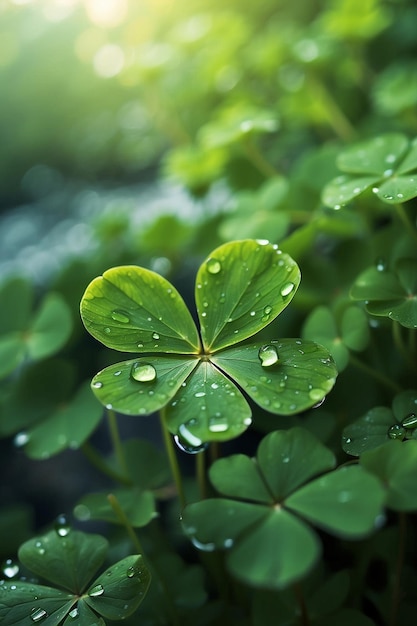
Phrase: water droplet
(117, 373)
(218, 424)
(348, 440)
(97, 590)
(143, 372)
(213, 266)
(40, 548)
(204, 547)
(267, 309)
(396, 432)
(10, 568)
(38, 614)
(381, 264)
(410, 421)
(187, 441)
(388, 173)
(286, 289)
(97, 385)
(390, 158)
(155, 336)
(120, 316)
(74, 613)
(62, 526)
(107, 330)
(21, 439)
(268, 355)
(228, 543)
(316, 395)
(285, 459)
(133, 571)
(200, 394)
(375, 189)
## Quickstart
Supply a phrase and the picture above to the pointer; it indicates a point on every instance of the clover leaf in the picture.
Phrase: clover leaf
(381, 424)
(263, 520)
(387, 164)
(198, 375)
(388, 293)
(70, 559)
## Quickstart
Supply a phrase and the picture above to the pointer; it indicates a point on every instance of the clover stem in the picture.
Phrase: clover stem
(402, 214)
(378, 376)
(255, 156)
(336, 117)
(172, 458)
(97, 461)
(400, 345)
(396, 588)
(121, 515)
(304, 618)
(200, 466)
(116, 441)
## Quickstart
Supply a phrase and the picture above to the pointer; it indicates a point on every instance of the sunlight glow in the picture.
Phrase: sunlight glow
(107, 13)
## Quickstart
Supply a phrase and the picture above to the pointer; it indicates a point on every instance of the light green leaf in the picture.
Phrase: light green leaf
(355, 328)
(240, 288)
(12, 353)
(68, 561)
(22, 604)
(208, 407)
(409, 163)
(296, 550)
(119, 590)
(398, 189)
(51, 327)
(288, 459)
(133, 309)
(343, 189)
(374, 156)
(137, 505)
(295, 376)
(320, 326)
(144, 385)
(396, 467)
(237, 476)
(346, 502)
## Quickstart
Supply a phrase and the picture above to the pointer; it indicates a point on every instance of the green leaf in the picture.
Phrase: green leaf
(50, 328)
(254, 562)
(240, 288)
(16, 296)
(368, 432)
(147, 465)
(23, 603)
(374, 156)
(288, 459)
(345, 502)
(238, 476)
(133, 309)
(320, 326)
(396, 467)
(137, 505)
(409, 163)
(144, 385)
(68, 426)
(398, 189)
(343, 189)
(118, 592)
(355, 328)
(12, 353)
(82, 615)
(297, 374)
(208, 407)
(68, 561)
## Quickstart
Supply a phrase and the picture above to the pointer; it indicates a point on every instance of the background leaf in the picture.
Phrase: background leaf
(137, 505)
(240, 288)
(374, 156)
(23, 603)
(133, 309)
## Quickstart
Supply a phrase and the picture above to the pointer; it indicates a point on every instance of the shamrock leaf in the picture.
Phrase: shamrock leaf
(198, 376)
(387, 163)
(70, 559)
(390, 294)
(269, 502)
(381, 424)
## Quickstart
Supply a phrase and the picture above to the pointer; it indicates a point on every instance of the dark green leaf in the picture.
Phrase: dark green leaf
(369, 431)
(82, 615)
(137, 505)
(240, 288)
(346, 502)
(68, 561)
(118, 592)
(147, 465)
(12, 353)
(321, 327)
(22, 604)
(133, 309)
(237, 476)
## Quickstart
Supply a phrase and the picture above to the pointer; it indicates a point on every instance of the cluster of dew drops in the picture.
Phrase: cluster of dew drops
(11, 569)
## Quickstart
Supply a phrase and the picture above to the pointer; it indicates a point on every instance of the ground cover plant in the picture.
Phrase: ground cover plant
(213, 419)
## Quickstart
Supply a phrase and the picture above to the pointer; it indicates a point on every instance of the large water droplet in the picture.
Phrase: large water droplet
(155, 336)
(396, 432)
(316, 395)
(10, 568)
(38, 614)
(120, 316)
(187, 441)
(204, 547)
(143, 372)
(21, 439)
(286, 289)
(73, 614)
(268, 355)
(213, 266)
(62, 526)
(97, 590)
(218, 424)
(97, 384)
(410, 421)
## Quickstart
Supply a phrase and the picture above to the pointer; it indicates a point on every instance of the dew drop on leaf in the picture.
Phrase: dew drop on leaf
(396, 432)
(268, 355)
(74, 613)
(132, 571)
(38, 614)
(381, 265)
(316, 395)
(120, 316)
(204, 547)
(107, 330)
(410, 421)
(21, 439)
(10, 568)
(286, 289)
(187, 441)
(98, 590)
(155, 336)
(213, 266)
(97, 385)
(218, 424)
(62, 526)
(143, 372)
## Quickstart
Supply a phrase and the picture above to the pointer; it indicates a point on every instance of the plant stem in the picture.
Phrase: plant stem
(336, 117)
(379, 376)
(400, 345)
(116, 441)
(304, 619)
(97, 461)
(402, 214)
(172, 458)
(396, 588)
(257, 159)
(200, 464)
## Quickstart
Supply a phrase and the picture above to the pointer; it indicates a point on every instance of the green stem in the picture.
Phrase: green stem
(396, 588)
(116, 441)
(304, 618)
(97, 461)
(400, 345)
(172, 459)
(257, 159)
(336, 117)
(200, 463)
(378, 376)
(403, 215)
